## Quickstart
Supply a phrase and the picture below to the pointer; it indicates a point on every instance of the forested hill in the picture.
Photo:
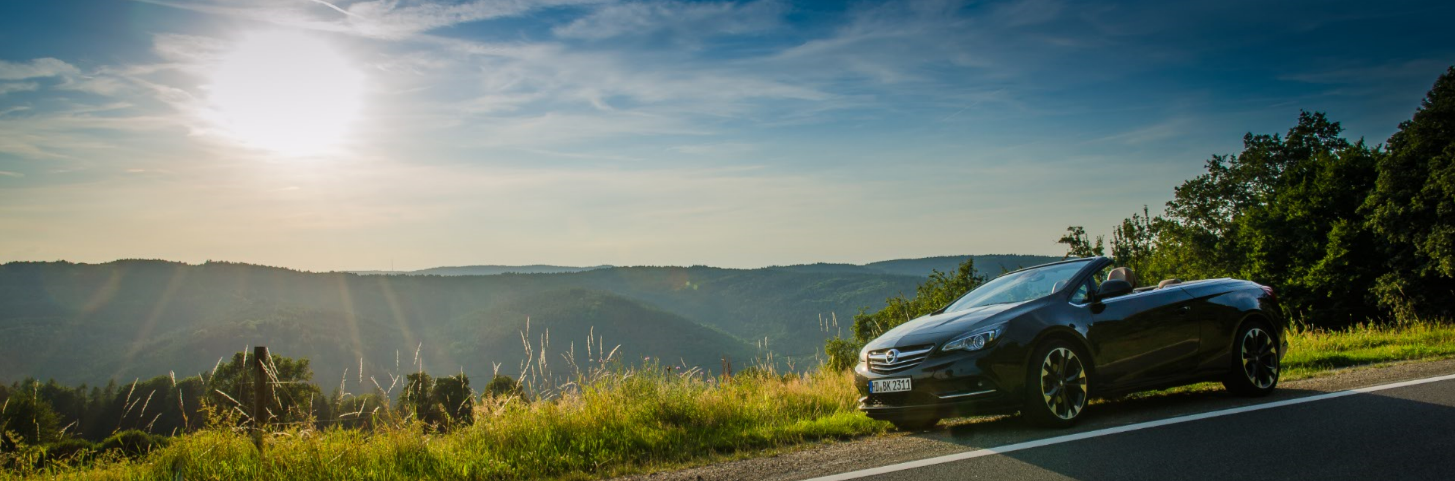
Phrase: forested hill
(486, 270)
(137, 318)
(991, 264)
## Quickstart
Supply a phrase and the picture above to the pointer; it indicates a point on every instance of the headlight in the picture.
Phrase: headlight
(864, 354)
(974, 341)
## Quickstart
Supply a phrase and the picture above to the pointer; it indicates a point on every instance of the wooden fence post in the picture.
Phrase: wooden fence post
(260, 394)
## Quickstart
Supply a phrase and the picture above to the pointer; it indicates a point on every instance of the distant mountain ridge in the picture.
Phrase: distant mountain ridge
(487, 270)
(990, 264)
(141, 318)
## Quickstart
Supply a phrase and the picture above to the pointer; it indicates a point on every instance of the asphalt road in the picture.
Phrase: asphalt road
(1400, 433)
(1403, 433)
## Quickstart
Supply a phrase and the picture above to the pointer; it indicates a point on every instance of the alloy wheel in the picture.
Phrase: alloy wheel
(1260, 358)
(1063, 383)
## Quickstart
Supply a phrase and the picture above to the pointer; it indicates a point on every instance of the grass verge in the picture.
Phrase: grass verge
(1315, 352)
(627, 421)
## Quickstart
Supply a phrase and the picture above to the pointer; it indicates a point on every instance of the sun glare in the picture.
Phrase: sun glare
(286, 92)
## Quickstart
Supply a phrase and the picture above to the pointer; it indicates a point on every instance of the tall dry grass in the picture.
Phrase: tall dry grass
(616, 421)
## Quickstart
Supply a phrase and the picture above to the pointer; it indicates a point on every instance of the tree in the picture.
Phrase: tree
(1307, 239)
(443, 403)
(502, 385)
(29, 419)
(293, 396)
(453, 401)
(1078, 244)
(1205, 212)
(1412, 209)
(415, 398)
(1284, 212)
(1133, 242)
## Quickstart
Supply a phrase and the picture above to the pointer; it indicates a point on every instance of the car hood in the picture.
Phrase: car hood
(936, 328)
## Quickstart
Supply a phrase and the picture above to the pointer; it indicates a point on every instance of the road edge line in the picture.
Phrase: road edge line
(1021, 446)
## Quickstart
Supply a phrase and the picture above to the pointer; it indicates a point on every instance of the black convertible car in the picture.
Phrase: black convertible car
(1043, 340)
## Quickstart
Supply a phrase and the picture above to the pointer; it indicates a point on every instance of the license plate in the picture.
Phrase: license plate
(889, 385)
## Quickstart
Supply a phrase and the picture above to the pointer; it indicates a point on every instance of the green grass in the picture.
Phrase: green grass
(1312, 352)
(620, 422)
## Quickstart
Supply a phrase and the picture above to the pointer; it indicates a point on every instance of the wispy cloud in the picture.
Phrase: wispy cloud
(387, 19)
(9, 87)
(1162, 130)
(37, 68)
(683, 18)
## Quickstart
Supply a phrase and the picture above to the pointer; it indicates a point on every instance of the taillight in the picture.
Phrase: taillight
(1269, 291)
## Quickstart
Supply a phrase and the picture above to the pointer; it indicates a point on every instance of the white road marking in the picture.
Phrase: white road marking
(950, 458)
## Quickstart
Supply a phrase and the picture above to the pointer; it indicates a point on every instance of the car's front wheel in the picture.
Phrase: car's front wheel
(1056, 385)
(1256, 360)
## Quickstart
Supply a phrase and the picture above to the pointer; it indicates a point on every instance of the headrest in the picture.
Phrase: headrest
(1168, 282)
(1125, 274)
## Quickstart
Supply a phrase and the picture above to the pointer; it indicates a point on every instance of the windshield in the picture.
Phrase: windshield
(1019, 286)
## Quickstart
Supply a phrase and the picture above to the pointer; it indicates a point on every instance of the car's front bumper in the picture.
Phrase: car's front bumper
(958, 384)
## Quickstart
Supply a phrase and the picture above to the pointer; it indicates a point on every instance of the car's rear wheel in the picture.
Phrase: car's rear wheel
(1255, 361)
(914, 423)
(1057, 386)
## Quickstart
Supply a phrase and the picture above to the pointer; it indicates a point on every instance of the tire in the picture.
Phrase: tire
(914, 423)
(1256, 362)
(1049, 402)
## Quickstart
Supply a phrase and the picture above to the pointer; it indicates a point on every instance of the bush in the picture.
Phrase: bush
(133, 442)
(69, 448)
(502, 385)
(842, 353)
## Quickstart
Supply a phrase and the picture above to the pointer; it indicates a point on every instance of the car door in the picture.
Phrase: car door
(1143, 338)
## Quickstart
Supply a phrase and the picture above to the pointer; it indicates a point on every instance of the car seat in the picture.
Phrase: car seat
(1124, 274)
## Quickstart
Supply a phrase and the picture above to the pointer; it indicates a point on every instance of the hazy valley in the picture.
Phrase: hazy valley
(89, 323)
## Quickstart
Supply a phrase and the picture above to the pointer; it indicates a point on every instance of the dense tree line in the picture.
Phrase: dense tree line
(1345, 232)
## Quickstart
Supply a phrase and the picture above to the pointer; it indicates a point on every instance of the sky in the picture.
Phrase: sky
(406, 134)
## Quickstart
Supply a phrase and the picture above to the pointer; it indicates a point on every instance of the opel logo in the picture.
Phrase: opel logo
(891, 356)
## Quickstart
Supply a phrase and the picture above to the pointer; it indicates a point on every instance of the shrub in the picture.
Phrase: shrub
(841, 353)
(70, 448)
(133, 442)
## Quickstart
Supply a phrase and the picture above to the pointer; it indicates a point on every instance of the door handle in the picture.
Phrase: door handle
(1182, 311)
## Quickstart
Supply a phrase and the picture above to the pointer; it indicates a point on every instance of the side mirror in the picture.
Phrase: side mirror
(1112, 288)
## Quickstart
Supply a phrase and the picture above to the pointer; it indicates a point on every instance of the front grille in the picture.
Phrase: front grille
(884, 361)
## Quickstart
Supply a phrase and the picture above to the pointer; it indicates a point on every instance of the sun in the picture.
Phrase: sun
(286, 92)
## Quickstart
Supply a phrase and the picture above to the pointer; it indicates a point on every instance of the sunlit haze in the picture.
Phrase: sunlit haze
(285, 91)
(363, 135)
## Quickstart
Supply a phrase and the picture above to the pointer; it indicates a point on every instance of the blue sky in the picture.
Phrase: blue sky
(591, 132)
